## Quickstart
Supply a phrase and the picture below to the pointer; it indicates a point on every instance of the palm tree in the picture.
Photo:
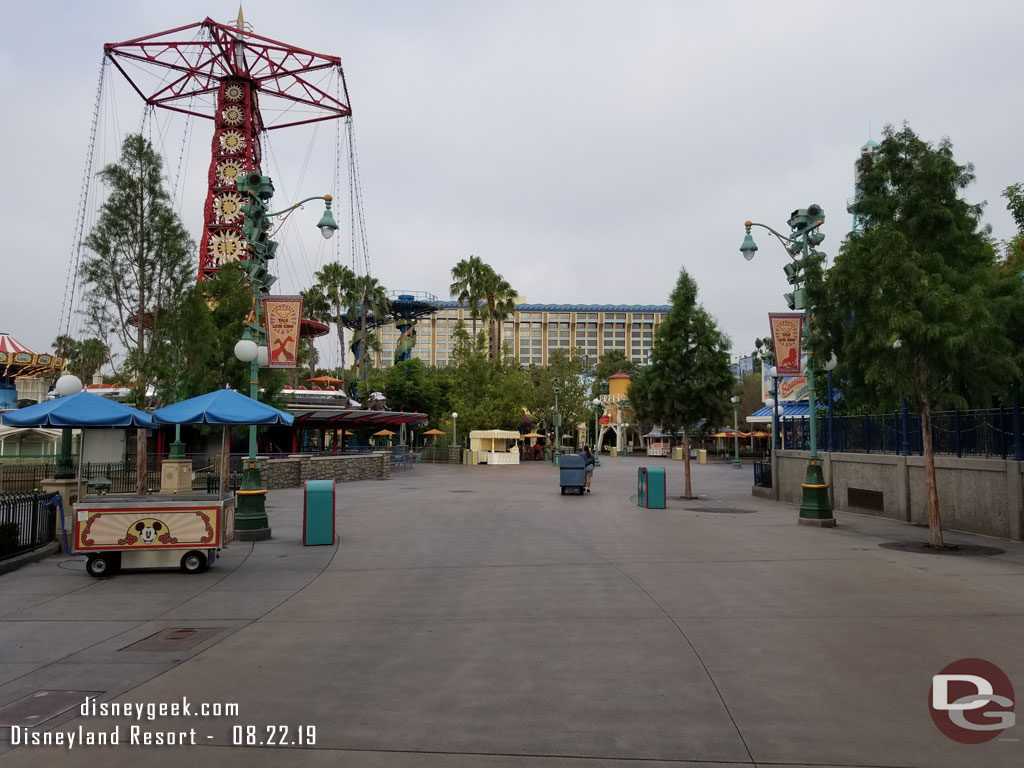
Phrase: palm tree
(334, 283)
(466, 276)
(499, 299)
(372, 300)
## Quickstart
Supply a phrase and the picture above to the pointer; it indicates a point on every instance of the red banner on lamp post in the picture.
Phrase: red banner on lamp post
(787, 335)
(283, 321)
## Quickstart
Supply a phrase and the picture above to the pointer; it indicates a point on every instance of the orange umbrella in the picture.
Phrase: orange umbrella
(325, 380)
(532, 434)
(384, 433)
(433, 432)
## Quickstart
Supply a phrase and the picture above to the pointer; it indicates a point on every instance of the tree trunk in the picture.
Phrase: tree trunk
(140, 383)
(931, 490)
(686, 464)
(364, 346)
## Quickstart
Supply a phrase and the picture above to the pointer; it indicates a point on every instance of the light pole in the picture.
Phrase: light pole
(829, 367)
(735, 432)
(556, 456)
(805, 234)
(251, 515)
(64, 468)
(596, 402)
(455, 440)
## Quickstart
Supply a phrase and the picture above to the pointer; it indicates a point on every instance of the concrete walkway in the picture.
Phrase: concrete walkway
(475, 617)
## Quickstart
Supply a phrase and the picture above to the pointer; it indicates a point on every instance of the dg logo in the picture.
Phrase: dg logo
(971, 701)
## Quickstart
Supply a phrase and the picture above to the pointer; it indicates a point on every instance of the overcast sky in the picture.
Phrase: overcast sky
(587, 150)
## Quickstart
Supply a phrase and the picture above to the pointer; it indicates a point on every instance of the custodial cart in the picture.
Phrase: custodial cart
(183, 531)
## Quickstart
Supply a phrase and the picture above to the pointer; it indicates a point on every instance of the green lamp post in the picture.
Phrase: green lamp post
(251, 522)
(556, 456)
(596, 402)
(64, 467)
(805, 235)
(736, 432)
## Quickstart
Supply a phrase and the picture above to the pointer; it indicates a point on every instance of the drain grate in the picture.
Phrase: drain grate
(175, 639)
(721, 510)
(40, 706)
(462, 491)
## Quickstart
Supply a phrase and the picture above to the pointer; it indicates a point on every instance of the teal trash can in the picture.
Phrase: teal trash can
(318, 513)
(650, 487)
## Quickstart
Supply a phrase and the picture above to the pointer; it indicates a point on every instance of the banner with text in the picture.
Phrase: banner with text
(787, 333)
(284, 321)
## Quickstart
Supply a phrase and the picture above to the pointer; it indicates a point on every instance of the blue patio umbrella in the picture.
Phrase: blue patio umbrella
(224, 407)
(83, 410)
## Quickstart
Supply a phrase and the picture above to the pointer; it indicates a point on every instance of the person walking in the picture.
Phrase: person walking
(588, 464)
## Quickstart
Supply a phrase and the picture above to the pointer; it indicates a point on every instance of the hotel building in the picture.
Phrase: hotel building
(536, 329)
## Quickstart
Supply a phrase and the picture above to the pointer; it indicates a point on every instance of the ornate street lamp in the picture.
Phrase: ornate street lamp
(736, 432)
(805, 234)
(251, 514)
(596, 402)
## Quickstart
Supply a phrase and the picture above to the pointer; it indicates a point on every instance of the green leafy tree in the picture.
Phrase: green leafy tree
(563, 370)
(611, 362)
(486, 394)
(748, 390)
(914, 306)
(84, 357)
(689, 378)
(465, 287)
(142, 264)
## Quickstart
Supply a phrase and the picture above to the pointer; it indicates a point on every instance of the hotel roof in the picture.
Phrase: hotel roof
(574, 307)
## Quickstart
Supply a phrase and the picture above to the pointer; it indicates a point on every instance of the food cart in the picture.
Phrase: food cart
(494, 446)
(130, 531)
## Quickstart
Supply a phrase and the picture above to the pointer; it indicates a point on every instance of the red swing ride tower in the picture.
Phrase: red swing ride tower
(226, 73)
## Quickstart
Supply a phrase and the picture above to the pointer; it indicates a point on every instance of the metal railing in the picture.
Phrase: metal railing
(24, 477)
(985, 432)
(27, 521)
(763, 474)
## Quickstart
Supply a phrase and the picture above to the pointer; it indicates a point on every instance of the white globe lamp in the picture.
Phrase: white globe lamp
(246, 350)
(68, 384)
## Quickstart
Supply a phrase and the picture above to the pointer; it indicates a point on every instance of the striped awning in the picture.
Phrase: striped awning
(10, 344)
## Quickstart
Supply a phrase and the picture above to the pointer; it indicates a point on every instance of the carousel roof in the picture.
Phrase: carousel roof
(313, 416)
(10, 344)
(18, 360)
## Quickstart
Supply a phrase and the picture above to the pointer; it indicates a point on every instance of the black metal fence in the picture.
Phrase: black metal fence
(27, 521)
(763, 474)
(24, 477)
(988, 433)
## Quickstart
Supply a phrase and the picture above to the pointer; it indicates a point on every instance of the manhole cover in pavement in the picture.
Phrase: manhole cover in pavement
(956, 550)
(721, 510)
(175, 639)
(40, 706)
(463, 491)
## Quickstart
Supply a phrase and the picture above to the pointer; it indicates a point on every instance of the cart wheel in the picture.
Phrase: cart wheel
(193, 562)
(563, 490)
(100, 565)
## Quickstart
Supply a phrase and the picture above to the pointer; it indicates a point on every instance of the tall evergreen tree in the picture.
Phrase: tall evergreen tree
(913, 306)
(689, 378)
(142, 266)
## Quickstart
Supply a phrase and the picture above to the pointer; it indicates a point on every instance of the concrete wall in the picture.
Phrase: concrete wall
(975, 495)
(295, 470)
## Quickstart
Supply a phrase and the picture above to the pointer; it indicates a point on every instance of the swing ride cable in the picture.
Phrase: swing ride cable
(71, 280)
(357, 195)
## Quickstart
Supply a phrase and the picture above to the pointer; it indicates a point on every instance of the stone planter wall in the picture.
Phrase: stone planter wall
(293, 471)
